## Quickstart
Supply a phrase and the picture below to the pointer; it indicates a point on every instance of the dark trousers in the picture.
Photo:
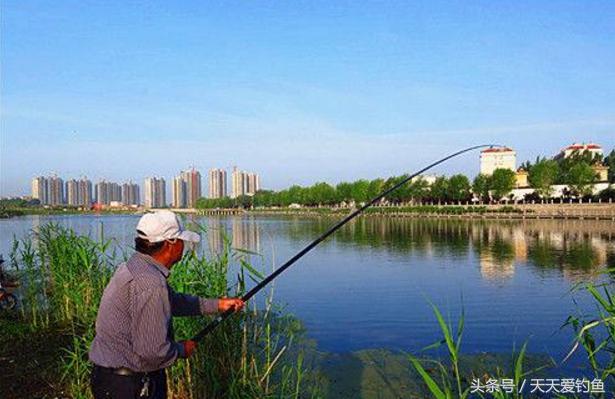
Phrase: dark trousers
(107, 385)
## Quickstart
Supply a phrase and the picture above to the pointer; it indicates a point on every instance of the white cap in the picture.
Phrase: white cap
(163, 225)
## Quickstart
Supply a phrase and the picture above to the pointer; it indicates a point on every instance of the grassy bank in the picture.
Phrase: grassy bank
(62, 278)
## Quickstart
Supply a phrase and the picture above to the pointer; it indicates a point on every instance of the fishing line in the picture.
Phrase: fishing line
(223, 316)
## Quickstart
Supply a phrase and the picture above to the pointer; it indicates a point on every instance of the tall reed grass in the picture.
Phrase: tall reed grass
(63, 275)
(450, 379)
(595, 334)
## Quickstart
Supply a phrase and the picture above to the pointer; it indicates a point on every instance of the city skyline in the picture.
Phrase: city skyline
(186, 188)
(300, 92)
(53, 190)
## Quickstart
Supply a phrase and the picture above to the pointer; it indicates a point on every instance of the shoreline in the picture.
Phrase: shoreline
(563, 211)
(587, 211)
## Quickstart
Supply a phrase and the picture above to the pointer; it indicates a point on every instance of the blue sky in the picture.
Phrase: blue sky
(297, 91)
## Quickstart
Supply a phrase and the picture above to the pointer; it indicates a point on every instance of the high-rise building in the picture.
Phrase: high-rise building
(154, 192)
(187, 188)
(193, 187)
(53, 191)
(85, 192)
(237, 183)
(217, 183)
(253, 184)
(497, 158)
(244, 183)
(103, 196)
(72, 192)
(56, 190)
(130, 194)
(107, 192)
(179, 192)
(40, 189)
(115, 192)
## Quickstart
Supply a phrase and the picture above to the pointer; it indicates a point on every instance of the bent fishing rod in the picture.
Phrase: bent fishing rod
(223, 316)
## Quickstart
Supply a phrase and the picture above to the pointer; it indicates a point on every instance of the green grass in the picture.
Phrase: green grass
(63, 275)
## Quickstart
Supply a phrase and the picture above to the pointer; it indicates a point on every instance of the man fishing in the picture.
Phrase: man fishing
(134, 331)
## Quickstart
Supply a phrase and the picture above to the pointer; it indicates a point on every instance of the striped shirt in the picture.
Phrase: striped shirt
(134, 326)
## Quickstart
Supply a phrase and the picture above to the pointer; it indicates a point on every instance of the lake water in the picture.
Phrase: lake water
(369, 286)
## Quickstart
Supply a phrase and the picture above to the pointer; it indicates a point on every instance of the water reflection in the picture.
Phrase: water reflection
(243, 233)
(576, 249)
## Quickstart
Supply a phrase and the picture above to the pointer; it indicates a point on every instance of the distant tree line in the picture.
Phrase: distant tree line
(576, 171)
(19, 203)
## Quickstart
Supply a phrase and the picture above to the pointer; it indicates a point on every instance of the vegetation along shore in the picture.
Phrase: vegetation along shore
(62, 276)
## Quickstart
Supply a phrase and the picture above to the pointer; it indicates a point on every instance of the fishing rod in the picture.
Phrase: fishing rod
(223, 316)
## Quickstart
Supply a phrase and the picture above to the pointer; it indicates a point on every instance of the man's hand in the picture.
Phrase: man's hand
(230, 303)
(189, 347)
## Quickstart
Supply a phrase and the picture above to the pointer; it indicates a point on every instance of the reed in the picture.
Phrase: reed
(595, 334)
(63, 275)
(451, 380)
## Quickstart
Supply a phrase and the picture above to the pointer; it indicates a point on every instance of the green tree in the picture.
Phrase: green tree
(501, 182)
(458, 188)
(419, 189)
(575, 158)
(244, 201)
(295, 194)
(359, 191)
(403, 193)
(480, 187)
(344, 191)
(375, 187)
(542, 176)
(322, 194)
(211, 203)
(580, 178)
(282, 198)
(527, 165)
(264, 198)
(439, 189)
(393, 197)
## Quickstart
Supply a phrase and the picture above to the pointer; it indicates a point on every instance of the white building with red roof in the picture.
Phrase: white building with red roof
(497, 158)
(593, 148)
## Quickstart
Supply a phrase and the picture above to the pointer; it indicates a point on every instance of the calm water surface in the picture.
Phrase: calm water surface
(370, 285)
